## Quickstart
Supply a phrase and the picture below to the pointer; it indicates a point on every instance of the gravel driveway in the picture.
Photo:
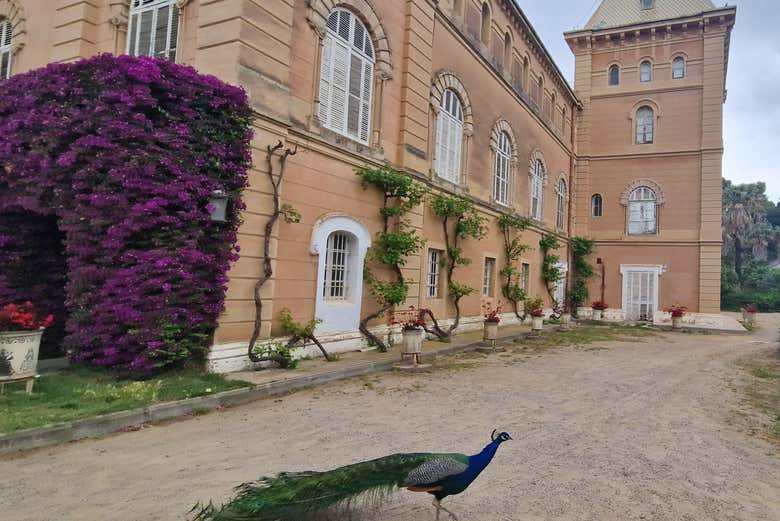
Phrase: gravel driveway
(612, 431)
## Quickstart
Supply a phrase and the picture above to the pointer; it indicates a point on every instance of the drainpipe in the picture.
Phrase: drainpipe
(570, 206)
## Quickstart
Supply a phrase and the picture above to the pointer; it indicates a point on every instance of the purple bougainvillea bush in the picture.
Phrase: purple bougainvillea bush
(124, 153)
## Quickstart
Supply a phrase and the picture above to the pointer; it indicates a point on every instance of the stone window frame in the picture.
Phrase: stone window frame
(660, 200)
(649, 60)
(317, 13)
(610, 66)
(675, 56)
(536, 154)
(442, 81)
(593, 206)
(502, 126)
(13, 11)
(561, 201)
(657, 115)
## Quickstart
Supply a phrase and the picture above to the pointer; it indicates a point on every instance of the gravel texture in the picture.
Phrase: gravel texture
(654, 429)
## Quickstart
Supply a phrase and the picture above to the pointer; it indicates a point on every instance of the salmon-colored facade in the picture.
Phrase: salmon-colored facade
(514, 109)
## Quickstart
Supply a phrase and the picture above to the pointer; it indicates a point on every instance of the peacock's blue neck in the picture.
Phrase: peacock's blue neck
(478, 462)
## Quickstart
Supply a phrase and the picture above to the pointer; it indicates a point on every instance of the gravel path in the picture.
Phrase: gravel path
(612, 431)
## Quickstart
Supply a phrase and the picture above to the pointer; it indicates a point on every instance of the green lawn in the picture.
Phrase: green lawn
(80, 393)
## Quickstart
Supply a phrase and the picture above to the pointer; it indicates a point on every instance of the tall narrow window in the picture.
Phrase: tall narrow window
(596, 205)
(614, 75)
(645, 72)
(434, 262)
(645, 123)
(642, 211)
(487, 277)
(507, 52)
(501, 169)
(336, 278)
(537, 190)
(525, 73)
(6, 41)
(678, 68)
(449, 137)
(154, 29)
(525, 276)
(347, 76)
(560, 213)
(485, 32)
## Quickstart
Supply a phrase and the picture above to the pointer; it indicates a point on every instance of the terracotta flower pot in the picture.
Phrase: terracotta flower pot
(19, 354)
(491, 330)
(538, 323)
(413, 339)
(597, 314)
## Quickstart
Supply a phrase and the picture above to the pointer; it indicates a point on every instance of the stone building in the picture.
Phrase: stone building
(463, 96)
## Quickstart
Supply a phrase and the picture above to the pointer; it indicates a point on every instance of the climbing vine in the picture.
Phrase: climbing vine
(510, 226)
(460, 221)
(550, 271)
(393, 244)
(581, 271)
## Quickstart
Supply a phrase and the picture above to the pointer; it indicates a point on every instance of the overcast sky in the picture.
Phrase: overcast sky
(752, 112)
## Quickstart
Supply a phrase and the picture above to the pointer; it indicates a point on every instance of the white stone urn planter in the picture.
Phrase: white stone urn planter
(677, 322)
(491, 331)
(19, 356)
(749, 317)
(597, 314)
(537, 323)
(566, 319)
(413, 339)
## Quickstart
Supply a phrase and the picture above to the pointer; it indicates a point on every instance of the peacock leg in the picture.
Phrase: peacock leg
(453, 516)
(437, 505)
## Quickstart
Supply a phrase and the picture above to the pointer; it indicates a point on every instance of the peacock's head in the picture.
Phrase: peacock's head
(501, 438)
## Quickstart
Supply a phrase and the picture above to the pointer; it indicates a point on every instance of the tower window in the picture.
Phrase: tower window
(647, 4)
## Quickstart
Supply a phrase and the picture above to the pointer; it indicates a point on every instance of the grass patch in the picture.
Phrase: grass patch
(587, 334)
(80, 393)
(763, 390)
(762, 372)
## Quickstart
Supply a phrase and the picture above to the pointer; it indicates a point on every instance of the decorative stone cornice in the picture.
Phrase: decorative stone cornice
(660, 196)
(446, 80)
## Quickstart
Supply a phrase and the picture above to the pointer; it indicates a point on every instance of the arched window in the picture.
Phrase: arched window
(153, 29)
(642, 211)
(678, 68)
(507, 52)
(347, 76)
(6, 41)
(525, 73)
(449, 137)
(485, 33)
(458, 7)
(560, 211)
(645, 123)
(614, 75)
(645, 72)
(537, 190)
(501, 169)
(596, 205)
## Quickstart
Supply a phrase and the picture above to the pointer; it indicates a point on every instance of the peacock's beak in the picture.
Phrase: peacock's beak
(510, 436)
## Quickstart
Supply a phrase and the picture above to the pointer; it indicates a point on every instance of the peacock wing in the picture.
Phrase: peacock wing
(436, 469)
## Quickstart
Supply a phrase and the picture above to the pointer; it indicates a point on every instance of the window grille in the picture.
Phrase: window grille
(6, 41)
(337, 258)
(678, 68)
(154, 29)
(346, 77)
(560, 214)
(501, 169)
(645, 123)
(596, 205)
(434, 263)
(487, 277)
(537, 190)
(642, 211)
(449, 137)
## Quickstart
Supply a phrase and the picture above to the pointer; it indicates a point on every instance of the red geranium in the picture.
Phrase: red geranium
(750, 308)
(538, 312)
(22, 317)
(492, 314)
(677, 311)
(600, 305)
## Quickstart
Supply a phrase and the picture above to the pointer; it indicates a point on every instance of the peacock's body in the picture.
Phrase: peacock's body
(294, 496)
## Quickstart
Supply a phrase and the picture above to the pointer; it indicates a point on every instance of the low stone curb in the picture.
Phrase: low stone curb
(96, 426)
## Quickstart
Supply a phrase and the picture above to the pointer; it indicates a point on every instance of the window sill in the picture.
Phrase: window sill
(346, 142)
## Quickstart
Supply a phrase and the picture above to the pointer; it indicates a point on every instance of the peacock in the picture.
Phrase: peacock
(296, 496)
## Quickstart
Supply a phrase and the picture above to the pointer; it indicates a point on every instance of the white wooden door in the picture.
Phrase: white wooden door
(640, 293)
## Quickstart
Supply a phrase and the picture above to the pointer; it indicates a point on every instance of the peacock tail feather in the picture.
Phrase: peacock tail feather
(293, 496)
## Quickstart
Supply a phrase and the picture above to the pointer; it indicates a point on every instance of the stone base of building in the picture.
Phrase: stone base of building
(704, 321)
(228, 358)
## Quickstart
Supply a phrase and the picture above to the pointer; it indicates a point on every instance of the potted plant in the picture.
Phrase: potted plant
(21, 328)
(565, 315)
(412, 331)
(535, 308)
(677, 313)
(598, 309)
(749, 314)
(492, 319)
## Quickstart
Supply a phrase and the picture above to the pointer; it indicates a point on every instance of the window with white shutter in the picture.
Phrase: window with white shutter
(449, 137)
(6, 40)
(487, 277)
(642, 211)
(153, 29)
(501, 169)
(434, 261)
(645, 123)
(560, 213)
(346, 76)
(537, 190)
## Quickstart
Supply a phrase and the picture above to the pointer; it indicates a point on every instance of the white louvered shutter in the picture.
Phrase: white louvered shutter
(6, 39)
(338, 88)
(365, 114)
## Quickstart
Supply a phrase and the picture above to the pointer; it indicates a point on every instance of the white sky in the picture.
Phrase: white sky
(752, 111)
